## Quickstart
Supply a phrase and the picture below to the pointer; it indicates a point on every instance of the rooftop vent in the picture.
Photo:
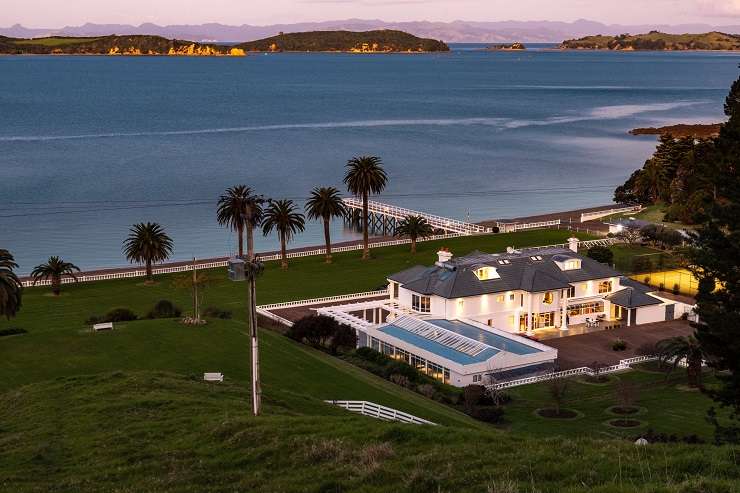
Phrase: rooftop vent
(444, 255)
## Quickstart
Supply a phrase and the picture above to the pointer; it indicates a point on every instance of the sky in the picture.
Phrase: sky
(53, 13)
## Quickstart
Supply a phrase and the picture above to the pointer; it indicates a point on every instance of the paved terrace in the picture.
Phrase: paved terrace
(583, 350)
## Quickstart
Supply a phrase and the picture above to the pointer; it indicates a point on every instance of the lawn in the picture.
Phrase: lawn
(157, 432)
(111, 411)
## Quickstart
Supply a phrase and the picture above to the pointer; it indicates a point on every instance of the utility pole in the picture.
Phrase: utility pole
(196, 308)
(251, 307)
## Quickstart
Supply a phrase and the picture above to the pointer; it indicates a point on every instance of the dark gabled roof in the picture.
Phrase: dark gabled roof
(517, 270)
(632, 298)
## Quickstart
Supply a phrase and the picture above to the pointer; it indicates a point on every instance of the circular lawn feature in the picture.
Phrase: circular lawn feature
(625, 423)
(601, 380)
(551, 413)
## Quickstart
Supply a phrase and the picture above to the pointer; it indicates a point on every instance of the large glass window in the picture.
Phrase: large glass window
(548, 298)
(605, 287)
(422, 304)
(571, 292)
(542, 320)
(585, 308)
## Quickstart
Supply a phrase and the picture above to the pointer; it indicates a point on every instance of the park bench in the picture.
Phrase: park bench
(213, 377)
(103, 326)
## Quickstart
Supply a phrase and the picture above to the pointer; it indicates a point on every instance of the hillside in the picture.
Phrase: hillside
(121, 430)
(655, 40)
(383, 41)
(112, 45)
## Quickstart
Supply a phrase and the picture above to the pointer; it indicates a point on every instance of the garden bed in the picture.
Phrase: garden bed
(552, 413)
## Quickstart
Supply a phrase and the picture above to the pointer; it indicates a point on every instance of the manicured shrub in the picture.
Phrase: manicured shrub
(372, 356)
(11, 331)
(120, 315)
(215, 312)
(619, 345)
(314, 330)
(401, 368)
(676, 289)
(601, 254)
(164, 309)
(495, 229)
(343, 339)
(488, 414)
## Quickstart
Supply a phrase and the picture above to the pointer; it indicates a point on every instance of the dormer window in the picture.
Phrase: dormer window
(486, 273)
(504, 261)
(547, 298)
(536, 257)
(605, 287)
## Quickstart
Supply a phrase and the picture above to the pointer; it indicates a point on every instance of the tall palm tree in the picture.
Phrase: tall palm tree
(230, 211)
(679, 348)
(55, 268)
(325, 203)
(365, 175)
(414, 227)
(281, 216)
(253, 268)
(11, 288)
(148, 243)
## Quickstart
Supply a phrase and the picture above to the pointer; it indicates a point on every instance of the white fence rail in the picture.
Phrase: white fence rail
(513, 227)
(140, 272)
(590, 216)
(380, 412)
(624, 364)
(438, 222)
(326, 299)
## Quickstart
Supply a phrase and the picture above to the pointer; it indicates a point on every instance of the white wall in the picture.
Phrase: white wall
(650, 314)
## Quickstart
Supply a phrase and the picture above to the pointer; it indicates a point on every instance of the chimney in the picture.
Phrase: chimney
(573, 243)
(444, 255)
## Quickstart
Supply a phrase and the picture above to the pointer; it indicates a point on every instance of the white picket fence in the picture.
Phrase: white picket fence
(512, 227)
(623, 365)
(380, 412)
(590, 216)
(140, 272)
(326, 299)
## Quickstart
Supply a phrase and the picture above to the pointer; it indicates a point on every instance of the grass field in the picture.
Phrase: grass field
(115, 411)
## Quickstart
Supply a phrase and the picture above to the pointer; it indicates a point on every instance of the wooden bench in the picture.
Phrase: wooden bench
(213, 377)
(103, 326)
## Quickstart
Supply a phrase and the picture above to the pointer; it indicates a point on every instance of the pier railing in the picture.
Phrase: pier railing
(437, 222)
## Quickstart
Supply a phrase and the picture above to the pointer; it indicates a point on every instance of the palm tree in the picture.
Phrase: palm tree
(55, 268)
(253, 268)
(680, 348)
(230, 211)
(325, 203)
(148, 243)
(281, 216)
(414, 227)
(365, 175)
(11, 288)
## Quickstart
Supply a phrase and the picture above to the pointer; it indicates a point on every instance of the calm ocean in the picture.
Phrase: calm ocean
(90, 145)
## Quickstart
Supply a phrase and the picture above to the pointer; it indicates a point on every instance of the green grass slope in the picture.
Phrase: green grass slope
(158, 432)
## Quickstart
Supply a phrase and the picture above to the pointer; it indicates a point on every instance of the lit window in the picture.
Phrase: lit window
(500, 298)
(547, 298)
(477, 378)
(536, 257)
(486, 273)
(422, 304)
(511, 297)
(605, 287)
(511, 321)
(572, 264)
(571, 292)
(504, 262)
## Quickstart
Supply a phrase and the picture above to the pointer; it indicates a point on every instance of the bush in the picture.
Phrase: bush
(399, 379)
(426, 390)
(164, 309)
(344, 338)
(619, 345)
(676, 289)
(371, 355)
(601, 254)
(11, 331)
(394, 367)
(495, 229)
(215, 312)
(314, 329)
(473, 395)
(120, 315)
(646, 349)
(488, 414)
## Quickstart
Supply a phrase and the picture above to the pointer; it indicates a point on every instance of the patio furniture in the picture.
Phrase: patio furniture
(213, 377)
(103, 326)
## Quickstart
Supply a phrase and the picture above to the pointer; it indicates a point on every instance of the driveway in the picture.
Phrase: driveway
(595, 347)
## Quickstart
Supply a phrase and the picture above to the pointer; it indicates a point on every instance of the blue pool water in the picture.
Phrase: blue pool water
(90, 145)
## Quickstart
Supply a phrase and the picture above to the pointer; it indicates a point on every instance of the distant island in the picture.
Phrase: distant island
(506, 47)
(383, 41)
(656, 41)
(113, 45)
(697, 131)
